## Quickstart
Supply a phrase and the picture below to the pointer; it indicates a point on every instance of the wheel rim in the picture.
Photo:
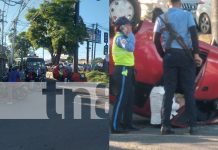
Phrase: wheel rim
(205, 24)
(119, 8)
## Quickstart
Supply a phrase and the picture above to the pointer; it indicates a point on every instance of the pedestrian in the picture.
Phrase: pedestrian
(13, 75)
(180, 41)
(123, 75)
(22, 74)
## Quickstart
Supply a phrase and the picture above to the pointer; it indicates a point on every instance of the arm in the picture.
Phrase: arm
(194, 38)
(157, 43)
(157, 36)
(126, 43)
(195, 45)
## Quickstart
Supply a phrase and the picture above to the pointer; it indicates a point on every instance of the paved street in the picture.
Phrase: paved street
(53, 134)
(149, 138)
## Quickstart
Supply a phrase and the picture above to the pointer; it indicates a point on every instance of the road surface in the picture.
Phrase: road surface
(149, 138)
(52, 134)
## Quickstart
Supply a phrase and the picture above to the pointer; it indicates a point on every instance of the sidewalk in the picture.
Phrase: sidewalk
(158, 142)
(149, 138)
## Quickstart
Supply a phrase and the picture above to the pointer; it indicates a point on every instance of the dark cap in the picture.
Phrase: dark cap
(122, 21)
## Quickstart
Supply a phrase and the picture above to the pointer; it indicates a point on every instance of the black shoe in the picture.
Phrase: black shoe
(192, 130)
(119, 131)
(166, 131)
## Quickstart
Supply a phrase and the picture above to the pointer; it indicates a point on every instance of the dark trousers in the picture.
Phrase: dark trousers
(123, 107)
(179, 70)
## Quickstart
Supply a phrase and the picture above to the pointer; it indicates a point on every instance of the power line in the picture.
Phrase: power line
(23, 5)
(14, 23)
(14, 2)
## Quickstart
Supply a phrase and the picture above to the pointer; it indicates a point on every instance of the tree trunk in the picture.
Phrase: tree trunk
(52, 56)
(214, 21)
(58, 56)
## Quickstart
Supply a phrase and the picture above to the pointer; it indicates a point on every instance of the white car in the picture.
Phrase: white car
(147, 6)
(136, 10)
(203, 15)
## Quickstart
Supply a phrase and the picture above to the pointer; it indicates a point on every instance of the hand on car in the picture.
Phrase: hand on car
(198, 60)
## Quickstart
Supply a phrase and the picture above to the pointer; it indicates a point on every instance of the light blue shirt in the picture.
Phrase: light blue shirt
(126, 42)
(181, 21)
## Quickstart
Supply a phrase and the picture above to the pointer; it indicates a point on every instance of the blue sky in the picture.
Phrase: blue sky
(92, 11)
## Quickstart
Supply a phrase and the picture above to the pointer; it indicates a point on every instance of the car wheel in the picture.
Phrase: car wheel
(129, 8)
(205, 24)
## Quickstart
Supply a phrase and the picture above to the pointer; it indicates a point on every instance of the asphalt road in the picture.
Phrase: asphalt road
(149, 138)
(55, 134)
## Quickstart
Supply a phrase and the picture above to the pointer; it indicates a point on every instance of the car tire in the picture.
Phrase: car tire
(205, 23)
(137, 12)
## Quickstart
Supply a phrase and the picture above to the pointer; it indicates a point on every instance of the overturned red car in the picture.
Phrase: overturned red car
(148, 71)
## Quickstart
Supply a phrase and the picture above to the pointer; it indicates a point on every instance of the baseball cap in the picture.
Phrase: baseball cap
(122, 21)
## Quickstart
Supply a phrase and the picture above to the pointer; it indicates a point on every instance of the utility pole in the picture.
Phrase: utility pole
(43, 53)
(77, 47)
(214, 22)
(14, 40)
(2, 31)
(2, 52)
(87, 54)
(93, 28)
(96, 30)
(1, 55)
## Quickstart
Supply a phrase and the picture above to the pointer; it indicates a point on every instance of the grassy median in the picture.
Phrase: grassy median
(97, 76)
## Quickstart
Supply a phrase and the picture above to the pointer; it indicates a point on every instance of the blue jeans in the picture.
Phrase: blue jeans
(179, 70)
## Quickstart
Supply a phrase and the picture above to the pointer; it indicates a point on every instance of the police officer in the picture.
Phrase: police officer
(179, 66)
(123, 57)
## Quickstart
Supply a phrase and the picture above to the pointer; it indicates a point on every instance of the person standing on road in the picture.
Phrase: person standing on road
(13, 75)
(123, 75)
(178, 62)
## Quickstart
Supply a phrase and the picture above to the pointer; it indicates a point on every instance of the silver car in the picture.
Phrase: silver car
(203, 14)
(137, 10)
(148, 6)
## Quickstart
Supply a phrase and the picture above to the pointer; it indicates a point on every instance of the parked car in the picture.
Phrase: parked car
(136, 10)
(203, 15)
(148, 6)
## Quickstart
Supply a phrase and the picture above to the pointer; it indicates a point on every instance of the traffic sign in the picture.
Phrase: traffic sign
(94, 36)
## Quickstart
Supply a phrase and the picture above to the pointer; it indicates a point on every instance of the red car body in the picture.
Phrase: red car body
(149, 70)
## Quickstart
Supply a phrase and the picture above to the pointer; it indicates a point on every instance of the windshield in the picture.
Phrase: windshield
(35, 65)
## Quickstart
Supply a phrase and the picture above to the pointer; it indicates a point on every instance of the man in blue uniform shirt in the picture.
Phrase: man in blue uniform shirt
(179, 66)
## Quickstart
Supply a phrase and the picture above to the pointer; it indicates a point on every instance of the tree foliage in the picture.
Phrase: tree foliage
(22, 44)
(52, 26)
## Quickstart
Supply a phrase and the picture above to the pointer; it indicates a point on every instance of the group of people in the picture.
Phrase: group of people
(180, 54)
(17, 74)
(14, 74)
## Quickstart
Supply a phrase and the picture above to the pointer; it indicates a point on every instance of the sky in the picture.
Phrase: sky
(92, 12)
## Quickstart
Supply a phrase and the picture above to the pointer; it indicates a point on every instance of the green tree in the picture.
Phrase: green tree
(37, 32)
(22, 44)
(52, 26)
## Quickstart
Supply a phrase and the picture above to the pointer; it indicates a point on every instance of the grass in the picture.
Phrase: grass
(97, 76)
